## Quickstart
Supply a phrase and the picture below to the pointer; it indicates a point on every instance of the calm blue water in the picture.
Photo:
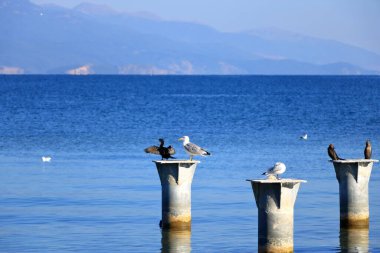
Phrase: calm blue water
(101, 193)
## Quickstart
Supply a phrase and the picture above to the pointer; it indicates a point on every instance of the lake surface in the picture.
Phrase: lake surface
(101, 192)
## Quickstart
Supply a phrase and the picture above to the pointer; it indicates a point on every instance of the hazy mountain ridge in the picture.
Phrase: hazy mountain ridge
(95, 39)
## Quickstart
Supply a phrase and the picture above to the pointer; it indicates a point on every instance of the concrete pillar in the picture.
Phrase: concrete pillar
(275, 202)
(176, 177)
(353, 177)
(354, 240)
(176, 241)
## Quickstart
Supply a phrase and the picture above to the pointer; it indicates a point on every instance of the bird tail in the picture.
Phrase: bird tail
(207, 153)
(172, 157)
(265, 173)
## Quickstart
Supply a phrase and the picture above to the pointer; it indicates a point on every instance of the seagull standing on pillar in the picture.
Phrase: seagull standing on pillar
(333, 155)
(367, 150)
(192, 149)
(278, 169)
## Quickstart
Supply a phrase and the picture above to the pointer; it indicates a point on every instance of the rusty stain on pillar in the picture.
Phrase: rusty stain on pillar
(176, 177)
(353, 177)
(275, 202)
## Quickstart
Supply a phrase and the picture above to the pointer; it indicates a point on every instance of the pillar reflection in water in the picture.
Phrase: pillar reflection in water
(354, 240)
(176, 241)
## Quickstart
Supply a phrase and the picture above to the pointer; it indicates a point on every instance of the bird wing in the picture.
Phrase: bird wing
(367, 152)
(194, 149)
(152, 150)
(332, 154)
(276, 168)
(270, 169)
(171, 150)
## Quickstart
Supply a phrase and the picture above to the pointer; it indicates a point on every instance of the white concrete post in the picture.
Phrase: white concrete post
(275, 202)
(353, 176)
(176, 177)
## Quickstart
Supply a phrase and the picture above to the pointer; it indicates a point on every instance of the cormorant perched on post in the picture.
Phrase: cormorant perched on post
(333, 155)
(164, 152)
(367, 150)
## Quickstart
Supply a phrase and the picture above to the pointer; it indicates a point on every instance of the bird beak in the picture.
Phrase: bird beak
(180, 139)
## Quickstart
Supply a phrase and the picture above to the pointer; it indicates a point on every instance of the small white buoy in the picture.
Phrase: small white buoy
(46, 159)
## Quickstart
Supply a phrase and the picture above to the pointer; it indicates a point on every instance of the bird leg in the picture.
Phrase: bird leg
(191, 158)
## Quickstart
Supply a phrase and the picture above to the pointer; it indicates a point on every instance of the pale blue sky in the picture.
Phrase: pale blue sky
(351, 21)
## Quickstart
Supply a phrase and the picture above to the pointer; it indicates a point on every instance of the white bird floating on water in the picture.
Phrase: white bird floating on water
(46, 159)
(303, 137)
(192, 149)
(278, 169)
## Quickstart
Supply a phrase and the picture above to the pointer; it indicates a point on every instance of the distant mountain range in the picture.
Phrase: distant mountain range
(95, 39)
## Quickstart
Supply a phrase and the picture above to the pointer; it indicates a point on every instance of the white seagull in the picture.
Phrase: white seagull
(46, 159)
(191, 148)
(303, 137)
(278, 169)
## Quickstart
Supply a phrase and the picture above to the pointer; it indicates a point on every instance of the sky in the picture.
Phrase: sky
(351, 21)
